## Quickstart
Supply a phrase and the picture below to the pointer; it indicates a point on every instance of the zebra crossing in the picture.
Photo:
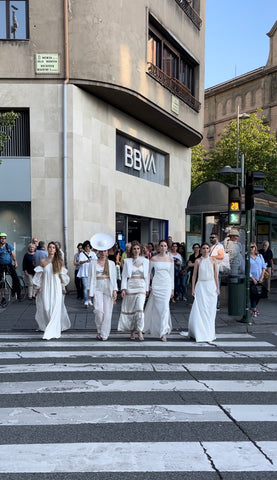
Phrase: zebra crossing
(134, 410)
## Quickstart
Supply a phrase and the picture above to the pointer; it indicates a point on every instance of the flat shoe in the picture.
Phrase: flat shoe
(163, 338)
(140, 337)
(98, 337)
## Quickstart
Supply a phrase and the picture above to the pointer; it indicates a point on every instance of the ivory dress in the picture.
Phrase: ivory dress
(201, 325)
(132, 307)
(51, 315)
(157, 319)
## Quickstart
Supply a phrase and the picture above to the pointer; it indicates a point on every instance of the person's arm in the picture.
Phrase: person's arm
(194, 276)
(216, 277)
(76, 262)
(14, 259)
(220, 254)
(124, 279)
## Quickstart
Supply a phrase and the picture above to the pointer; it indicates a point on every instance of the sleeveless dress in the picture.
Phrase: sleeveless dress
(157, 319)
(132, 314)
(201, 325)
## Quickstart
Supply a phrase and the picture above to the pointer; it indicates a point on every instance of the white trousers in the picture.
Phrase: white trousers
(103, 309)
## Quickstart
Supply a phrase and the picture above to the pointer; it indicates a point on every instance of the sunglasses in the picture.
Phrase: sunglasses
(212, 237)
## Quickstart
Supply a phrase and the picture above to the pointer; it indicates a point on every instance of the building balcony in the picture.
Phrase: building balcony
(185, 5)
(174, 86)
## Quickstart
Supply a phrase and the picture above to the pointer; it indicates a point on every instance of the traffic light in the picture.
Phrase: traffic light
(234, 206)
(251, 188)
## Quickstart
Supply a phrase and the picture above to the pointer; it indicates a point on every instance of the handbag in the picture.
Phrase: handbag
(258, 291)
(266, 273)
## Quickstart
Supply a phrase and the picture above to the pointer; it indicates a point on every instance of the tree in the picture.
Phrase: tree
(256, 142)
(7, 123)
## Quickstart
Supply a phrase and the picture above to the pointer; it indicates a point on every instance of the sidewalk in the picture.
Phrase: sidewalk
(21, 316)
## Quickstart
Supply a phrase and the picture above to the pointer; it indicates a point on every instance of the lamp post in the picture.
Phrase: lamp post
(240, 116)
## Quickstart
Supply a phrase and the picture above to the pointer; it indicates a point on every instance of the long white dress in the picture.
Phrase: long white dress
(132, 313)
(157, 319)
(201, 325)
(51, 315)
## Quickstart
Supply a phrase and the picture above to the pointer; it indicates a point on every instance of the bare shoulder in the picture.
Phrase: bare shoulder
(44, 262)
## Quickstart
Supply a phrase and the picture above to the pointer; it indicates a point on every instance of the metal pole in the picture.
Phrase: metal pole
(237, 165)
(247, 318)
(242, 170)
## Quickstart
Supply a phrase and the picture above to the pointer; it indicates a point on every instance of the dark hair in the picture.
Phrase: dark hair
(41, 244)
(86, 243)
(205, 243)
(196, 245)
(57, 261)
(80, 245)
(162, 241)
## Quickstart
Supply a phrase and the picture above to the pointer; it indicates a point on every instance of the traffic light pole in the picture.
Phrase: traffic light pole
(248, 314)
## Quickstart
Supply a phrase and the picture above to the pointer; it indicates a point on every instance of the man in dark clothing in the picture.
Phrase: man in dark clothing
(8, 264)
(268, 258)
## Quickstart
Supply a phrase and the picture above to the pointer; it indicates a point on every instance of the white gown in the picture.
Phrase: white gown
(202, 316)
(51, 315)
(132, 315)
(157, 319)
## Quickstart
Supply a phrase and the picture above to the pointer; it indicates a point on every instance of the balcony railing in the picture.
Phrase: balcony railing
(174, 86)
(185, 5)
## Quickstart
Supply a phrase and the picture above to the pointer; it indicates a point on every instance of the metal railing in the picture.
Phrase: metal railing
(190, 12)
(174, 86)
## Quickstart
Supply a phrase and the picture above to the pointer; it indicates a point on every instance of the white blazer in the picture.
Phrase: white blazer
(92, 277)
(127, 272)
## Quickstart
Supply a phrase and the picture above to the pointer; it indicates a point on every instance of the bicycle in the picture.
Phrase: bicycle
(5, 289)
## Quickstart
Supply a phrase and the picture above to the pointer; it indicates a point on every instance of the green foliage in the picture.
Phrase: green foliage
(256, 142)
(7, 123)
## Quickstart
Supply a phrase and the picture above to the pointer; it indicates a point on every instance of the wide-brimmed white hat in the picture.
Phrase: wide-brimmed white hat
(102, 241)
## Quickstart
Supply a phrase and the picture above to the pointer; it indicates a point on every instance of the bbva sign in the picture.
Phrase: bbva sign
(136, 159)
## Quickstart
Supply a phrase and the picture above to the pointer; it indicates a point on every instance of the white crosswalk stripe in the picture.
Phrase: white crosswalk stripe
(76, 406)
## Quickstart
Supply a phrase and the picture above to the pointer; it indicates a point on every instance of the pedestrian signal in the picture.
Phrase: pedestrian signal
(234, 206)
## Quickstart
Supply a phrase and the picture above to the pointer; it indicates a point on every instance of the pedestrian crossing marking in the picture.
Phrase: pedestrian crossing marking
(95, 414)
(78, 386)
(139, 457)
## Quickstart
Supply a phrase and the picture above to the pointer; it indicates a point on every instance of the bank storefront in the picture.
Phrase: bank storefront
(146, 163)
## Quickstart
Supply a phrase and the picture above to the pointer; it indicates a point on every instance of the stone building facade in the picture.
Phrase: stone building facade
(110, 96)
(244, 94)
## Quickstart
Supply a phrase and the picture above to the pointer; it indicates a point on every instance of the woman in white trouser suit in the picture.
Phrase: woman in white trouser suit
(102, 285)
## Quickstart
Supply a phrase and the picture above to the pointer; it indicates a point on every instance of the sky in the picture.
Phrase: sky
(236, 40)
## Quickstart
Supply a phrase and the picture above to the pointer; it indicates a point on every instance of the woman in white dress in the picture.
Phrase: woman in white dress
(134, 288)
(102, 285)
(50, 280)
(205, 291)
(157, 318)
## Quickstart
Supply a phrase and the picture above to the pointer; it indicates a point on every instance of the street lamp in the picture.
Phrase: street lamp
(240, 116)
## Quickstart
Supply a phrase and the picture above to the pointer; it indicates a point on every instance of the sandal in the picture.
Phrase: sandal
(133, 335)
(163, 338)
(140, 336)
(98, 336)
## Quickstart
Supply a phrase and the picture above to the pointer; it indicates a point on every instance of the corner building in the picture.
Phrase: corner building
(109, 94)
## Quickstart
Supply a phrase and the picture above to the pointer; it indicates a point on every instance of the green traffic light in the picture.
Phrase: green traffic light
(234, 218)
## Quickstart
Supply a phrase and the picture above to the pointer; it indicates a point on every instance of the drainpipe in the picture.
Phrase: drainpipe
(66, 80)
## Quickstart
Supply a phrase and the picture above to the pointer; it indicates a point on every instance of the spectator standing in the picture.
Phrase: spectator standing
(85, 257)
(191, 261)
(268, 258)
(28, 269)
(177, 268)
(257, 269)
(183, 275)
(8, 264)
(217, 252)
(78, 281)
(40, 253)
